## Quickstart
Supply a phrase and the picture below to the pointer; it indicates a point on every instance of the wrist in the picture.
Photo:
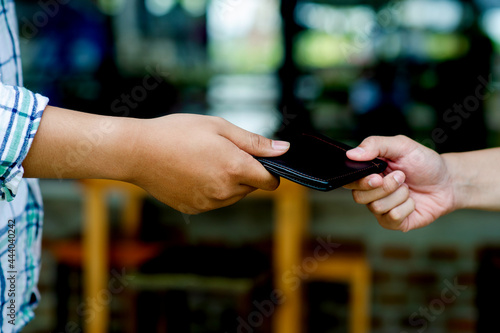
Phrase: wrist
(460, 182)
(123, 153)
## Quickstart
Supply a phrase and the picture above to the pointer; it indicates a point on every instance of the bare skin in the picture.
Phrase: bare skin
(421, 185)
(192, 163)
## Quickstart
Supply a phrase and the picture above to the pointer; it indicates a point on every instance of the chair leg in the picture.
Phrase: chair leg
(360, 297)
(95, 262)
(291, 214)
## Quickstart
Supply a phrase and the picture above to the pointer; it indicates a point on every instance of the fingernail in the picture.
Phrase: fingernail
(357, 151)
(280, 145)
(398, 178)
(370, 183)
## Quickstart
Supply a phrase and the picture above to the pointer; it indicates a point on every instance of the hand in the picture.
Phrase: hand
(415, 190)
(198, 163)
(191, 163)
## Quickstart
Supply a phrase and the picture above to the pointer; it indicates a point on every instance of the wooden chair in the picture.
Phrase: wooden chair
(291, 217)
(93, 253)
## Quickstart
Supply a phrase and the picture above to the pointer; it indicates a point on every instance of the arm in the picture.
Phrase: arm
(420, 185)
(74, 145)
(192, 163)
(476, 178)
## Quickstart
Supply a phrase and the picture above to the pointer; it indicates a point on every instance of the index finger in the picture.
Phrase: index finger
(367, 183)
(255, 175)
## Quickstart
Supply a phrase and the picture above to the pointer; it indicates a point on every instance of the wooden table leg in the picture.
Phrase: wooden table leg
(95, 262)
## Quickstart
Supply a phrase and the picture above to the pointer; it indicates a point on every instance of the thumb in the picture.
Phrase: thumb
(372, 147)
(255, 144)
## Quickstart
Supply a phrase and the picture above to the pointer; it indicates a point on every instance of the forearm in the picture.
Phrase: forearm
(475, 178)
(192, 163)
(74, 145)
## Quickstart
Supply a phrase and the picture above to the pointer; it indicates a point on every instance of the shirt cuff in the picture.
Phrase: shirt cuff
(20, 114)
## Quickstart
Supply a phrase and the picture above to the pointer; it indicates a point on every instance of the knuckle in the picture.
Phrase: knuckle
(405, 141)
(405, 191)
(376, 207)
(204, 206)
(219, 120)
(247, 161)
(386, 224)
(371, 141)
(256, 141)
(221, 193)
(219, 123)
(233, 167)
(203, 199)
(395, 215)
(358, 197)
(401, 137)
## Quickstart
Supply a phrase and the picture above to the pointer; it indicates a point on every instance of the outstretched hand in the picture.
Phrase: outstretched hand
(190, 162)
(198, 163)
(414, 190)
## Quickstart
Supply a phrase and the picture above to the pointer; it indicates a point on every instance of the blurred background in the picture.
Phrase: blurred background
(428, 69)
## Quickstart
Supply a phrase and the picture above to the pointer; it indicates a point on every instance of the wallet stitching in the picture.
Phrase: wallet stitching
(332, 144)
(303, 181)
(342, 176)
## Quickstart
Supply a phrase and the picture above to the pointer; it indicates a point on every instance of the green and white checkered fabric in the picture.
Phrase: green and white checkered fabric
(21, 209)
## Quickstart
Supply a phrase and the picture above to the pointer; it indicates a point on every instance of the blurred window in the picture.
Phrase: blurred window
(491, 24)
(244, 36)
(436, 15)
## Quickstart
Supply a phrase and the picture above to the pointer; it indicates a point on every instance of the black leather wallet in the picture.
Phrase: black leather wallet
(320, 163)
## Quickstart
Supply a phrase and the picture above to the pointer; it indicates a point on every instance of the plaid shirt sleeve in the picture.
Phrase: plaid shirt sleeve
(20, 115)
